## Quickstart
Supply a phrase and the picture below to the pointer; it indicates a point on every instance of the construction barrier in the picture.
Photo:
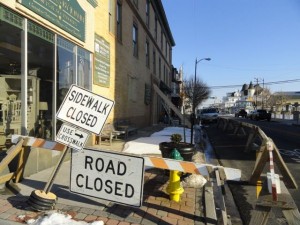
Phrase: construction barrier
(194, 168)
(217, 176)
(267, 152)
(38, 142)
(157, 162)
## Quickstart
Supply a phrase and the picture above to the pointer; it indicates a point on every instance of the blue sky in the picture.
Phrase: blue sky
(247, 40)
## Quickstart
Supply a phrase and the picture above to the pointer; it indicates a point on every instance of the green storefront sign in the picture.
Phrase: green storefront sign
(67, 15)
(102, 62)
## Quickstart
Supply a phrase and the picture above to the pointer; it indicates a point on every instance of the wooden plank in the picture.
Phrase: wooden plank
(260, 215)
(285, 172)
(219, 197)
(210, 212)
(11, 154)
(262, 134)
(6, 177)
(20, 166)
(259, 152)
(292, 216)
(259, 165)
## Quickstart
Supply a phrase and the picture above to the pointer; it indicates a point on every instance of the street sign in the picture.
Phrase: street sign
(85, 109)
(72, 137)
(108, 175)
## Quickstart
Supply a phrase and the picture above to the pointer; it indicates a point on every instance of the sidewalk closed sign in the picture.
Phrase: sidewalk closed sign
(85, 109)
(108, 175)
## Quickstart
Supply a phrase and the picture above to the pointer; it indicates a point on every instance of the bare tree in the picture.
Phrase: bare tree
(265, 96)
(278, 100)
(195, 92)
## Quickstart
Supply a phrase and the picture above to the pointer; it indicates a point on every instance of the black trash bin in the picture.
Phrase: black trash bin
(186, 150)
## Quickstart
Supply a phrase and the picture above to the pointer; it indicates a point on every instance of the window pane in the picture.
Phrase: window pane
(65, 67)
(147, 54)
(84, 68)
(10, 78)
(119, 21)
(135, 40)
(40, 81)
(147, 13)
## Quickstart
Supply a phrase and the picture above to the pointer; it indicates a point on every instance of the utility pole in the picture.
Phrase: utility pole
(258, 79)
(263, 94)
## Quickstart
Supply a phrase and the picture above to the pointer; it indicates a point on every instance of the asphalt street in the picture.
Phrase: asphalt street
(229, 151)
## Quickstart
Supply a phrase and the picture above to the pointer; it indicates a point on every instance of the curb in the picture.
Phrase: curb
(209, 204)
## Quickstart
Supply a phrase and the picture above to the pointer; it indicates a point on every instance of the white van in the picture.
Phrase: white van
(209, 115)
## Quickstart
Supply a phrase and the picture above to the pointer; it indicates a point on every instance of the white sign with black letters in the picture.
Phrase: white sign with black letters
(108, 175)
(72, 137)
(85, 109)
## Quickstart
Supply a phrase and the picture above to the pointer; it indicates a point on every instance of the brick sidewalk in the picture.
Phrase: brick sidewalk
(156, 209)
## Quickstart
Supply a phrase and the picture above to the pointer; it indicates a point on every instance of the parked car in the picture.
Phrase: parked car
(209, 115)
(260, 114)
(241, 113)
(249, 115)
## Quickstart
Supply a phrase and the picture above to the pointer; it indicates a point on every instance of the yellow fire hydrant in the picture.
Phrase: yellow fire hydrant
(174, 188)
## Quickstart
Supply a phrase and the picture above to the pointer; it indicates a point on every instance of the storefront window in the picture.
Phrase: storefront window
(40, 81)
(65, 68)
(84, 68)
(10, 72)
(73, 67)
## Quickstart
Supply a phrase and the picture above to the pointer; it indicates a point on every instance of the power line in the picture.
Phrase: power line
(265, 83)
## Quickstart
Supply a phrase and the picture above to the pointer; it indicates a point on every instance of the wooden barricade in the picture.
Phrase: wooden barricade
(263, 158)
(12, 152)
(269, 153)
(17, 150)
(266, 201)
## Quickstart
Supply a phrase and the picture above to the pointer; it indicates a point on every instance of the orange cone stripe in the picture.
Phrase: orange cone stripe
(38, 142)
(189, 167)
(159, 163)
(59, 146)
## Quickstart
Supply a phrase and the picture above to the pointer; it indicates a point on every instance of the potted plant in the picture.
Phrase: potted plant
(186, 150)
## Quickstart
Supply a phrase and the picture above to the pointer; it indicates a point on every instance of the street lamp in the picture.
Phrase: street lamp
(194, 91)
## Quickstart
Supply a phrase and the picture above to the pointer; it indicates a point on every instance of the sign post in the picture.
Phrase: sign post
(108, 175)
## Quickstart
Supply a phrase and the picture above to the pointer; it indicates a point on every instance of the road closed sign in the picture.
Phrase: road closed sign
(108, 175)
(85, 109)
